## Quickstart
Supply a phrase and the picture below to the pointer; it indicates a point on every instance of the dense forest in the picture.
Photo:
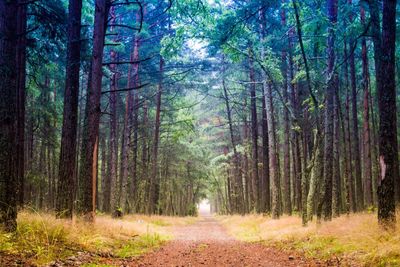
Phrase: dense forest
(274, 107)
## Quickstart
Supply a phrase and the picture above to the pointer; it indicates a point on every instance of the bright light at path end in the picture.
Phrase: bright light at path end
(204, 207)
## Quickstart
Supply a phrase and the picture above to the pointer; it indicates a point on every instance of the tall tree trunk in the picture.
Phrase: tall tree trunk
(368, 194)
(265, 181)
(359, 197)
(265, 155)
(154, 183)
(126, 203)
(66, 175)
(315, 168)
(297, 173)
(346, 135)
(8, 117)
(88, 168)
(145, 145)
(103, 173)
(134, 125)
(21, 74)
(350, 181)
(247, 177)
(237, 176)
(336, 176)
(286, 143)
(113, 149)
(130, 124)
(329, 111)
(376, 37)
(254, 135)
(374, 151)
(273, 166)
(387, 118)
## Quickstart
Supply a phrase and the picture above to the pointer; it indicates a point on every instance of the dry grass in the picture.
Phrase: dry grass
(356, 238)
(41, 238)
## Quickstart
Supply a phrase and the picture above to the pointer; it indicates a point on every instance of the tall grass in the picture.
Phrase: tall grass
(40, 238)
(355, 238)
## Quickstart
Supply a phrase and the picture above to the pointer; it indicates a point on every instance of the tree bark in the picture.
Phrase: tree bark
(387, 118)
(336, 175)
(368, 194)
(254, 136)
(8, 117)
(237, 175)
(273, 169)
(329, 111)
(286, 120)
(113, 139)
(21, 77)
(154, 183)
(88, 168)
(359, 197)
(66, 175)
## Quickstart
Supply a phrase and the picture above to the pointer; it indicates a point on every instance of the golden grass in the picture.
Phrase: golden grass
(41, 238)
(357, 238)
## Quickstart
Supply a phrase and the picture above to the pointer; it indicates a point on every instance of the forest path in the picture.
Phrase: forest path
(206, 243)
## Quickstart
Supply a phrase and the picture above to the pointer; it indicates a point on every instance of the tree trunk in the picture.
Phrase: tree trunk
(359, 197)
(295, 131)
(329, 111)
(88, 168)
(387, 118)
(368, 194)
(154, 183)
(247, 177)
(8, 116)
(286, 143)
(237, 176)
(103, 172)
(315, 168)
(376, 38)
(350, 181)
(273, 169)
(21, 74)
(336, 177)
(254, 135)
(113, 141)
(129, 125)
(66, 177)
(265, 155)
(145, 147)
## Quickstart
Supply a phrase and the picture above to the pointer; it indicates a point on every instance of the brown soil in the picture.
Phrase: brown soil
(207, 244)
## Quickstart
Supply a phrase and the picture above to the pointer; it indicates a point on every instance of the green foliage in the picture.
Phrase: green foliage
(171, 45)
(137, 246)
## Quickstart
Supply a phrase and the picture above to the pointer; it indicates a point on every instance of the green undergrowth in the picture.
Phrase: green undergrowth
(41, 239)
(37, 241)
(139, 245)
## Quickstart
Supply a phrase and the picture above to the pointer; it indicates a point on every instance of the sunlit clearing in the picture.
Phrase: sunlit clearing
(204, 207)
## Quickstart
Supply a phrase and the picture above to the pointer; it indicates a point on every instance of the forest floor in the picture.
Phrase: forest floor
(252, 240)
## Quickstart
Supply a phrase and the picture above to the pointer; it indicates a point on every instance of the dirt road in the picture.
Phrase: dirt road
(206, 243)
